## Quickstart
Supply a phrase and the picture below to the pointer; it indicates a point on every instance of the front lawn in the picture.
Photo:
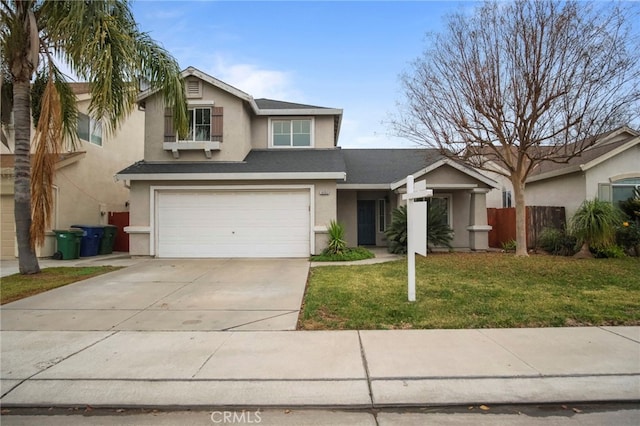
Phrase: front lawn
(472, 290)
(15, 287)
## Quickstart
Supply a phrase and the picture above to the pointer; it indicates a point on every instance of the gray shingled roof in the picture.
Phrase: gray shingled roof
(257, 161)
(385, 166)
(273, 104)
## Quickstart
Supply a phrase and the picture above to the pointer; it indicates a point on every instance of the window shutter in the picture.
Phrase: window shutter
(216, 124)
(169, 128)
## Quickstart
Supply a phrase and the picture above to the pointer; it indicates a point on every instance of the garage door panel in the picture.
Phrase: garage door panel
(228, 224)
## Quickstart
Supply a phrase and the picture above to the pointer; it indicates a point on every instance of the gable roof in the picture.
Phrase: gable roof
(608, 146)
(262, 106)
(388, 168)
(381, 167)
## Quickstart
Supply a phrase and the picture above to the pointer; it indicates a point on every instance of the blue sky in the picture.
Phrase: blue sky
(335, 54)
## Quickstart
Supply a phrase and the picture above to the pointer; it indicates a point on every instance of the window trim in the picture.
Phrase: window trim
(291, 119)
(382, 215)
(449, 197)
(92, 127)
(193, 105)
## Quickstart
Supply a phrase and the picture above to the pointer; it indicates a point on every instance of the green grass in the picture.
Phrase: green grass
(15, 287)
(348, 254)
(469, 290)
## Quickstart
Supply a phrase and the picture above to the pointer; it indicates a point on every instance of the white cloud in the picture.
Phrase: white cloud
(352, 135)
(259, 82)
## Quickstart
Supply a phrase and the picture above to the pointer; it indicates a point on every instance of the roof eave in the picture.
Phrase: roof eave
(300, 111)
(445, 161)
(232, 176)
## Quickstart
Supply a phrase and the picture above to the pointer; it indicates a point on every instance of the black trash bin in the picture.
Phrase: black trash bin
(108, 239)
(90, 244)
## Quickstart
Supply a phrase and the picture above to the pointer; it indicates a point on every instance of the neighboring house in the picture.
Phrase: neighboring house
(609, 170)
(84, 187)
(263, 178)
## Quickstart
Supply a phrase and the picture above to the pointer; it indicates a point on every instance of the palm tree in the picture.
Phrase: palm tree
(101, 43)
(594, 225)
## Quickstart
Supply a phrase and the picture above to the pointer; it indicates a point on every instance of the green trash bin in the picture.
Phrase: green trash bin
(108, 239)
(68, 242)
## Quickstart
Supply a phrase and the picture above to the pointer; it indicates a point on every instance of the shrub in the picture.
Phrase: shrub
(628, 237)
(336, 244)
(509, 245)
(347, 254)
(610, 252)
(397, 231)
(594, 225)
(557, 242)
(438, 231)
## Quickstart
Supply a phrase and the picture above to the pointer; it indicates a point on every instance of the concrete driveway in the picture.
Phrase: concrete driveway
(171, 295)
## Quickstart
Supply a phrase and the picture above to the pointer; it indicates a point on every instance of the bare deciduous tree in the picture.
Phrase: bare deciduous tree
(521, 83)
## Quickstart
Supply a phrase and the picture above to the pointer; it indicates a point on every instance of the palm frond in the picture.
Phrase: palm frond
(48, 141)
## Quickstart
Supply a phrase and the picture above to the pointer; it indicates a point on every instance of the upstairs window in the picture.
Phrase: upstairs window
(89, 129)
(205, 125)
(199, 125)
(292, 133)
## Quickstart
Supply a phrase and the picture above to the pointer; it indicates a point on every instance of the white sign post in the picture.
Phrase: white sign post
(416, 229)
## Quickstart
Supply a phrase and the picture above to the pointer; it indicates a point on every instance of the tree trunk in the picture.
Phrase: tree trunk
(584, 252)
(28, 262)
(521, 216)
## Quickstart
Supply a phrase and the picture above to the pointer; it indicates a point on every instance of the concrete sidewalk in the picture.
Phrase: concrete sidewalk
(361, 369)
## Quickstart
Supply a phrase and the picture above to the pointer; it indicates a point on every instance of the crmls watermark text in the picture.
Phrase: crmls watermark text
(229, 417)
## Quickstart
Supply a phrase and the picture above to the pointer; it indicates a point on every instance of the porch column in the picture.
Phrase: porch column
(478, 227)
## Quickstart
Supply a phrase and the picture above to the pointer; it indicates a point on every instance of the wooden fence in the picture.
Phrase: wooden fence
(503, 222)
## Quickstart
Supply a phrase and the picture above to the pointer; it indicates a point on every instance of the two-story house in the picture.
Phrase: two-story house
(263, 178)
(84, 188)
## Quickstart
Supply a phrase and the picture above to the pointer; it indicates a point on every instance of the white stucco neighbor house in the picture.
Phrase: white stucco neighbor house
(609, 171)
(84, 187)
(264, 178)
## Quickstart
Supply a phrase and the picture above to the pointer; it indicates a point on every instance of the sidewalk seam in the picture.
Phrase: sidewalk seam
(511, 352)
(212, 354)
(365, 364)
(617, 334)
(58, 362)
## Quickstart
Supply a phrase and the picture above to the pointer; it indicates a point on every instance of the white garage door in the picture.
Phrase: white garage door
(233, 224)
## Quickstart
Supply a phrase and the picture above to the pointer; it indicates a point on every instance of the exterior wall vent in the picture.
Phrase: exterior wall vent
(193, 88)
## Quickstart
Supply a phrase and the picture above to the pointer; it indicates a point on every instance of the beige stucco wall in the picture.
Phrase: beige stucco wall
(348, 215)
(567, 190)
(625, 164)
(86, 188)
(571, 190)
(7, 225)
(323, 132)
(236, 129)
(324, 197)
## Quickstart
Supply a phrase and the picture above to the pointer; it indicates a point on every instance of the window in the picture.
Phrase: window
(442, 201)
(205, 125)
(199, 125)
(382, 215)
(291, 133)
(89, 129)
(619, 190)
(506, 198)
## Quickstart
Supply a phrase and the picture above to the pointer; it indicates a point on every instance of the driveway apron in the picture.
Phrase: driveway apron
(171, 295)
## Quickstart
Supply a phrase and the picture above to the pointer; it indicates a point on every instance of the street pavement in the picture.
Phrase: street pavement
(53, 361)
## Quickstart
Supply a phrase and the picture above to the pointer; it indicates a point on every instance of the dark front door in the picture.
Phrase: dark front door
(366, 222)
